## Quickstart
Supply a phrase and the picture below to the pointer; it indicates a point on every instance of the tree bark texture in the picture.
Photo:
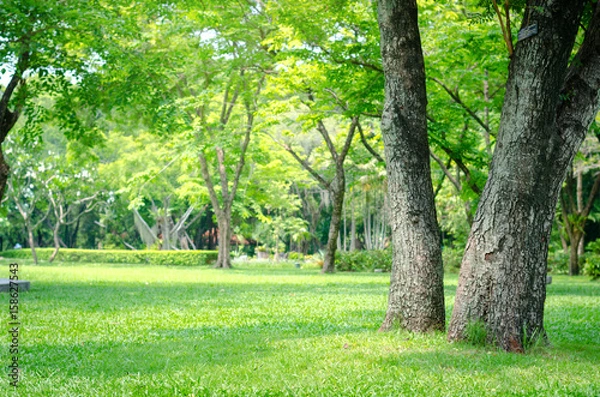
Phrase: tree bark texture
(416, 300)
(545, 117)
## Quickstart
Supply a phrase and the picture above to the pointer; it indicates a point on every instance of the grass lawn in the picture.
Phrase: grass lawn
(115, 330)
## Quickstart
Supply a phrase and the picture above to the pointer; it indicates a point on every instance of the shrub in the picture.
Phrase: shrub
(356, 261)
(292, 255)
(592, 260)
(592, 266)
(175, 258)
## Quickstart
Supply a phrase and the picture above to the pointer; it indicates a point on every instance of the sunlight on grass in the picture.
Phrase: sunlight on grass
(102, 330)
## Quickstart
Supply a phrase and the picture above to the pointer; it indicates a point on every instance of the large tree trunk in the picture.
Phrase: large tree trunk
(223, 258)
(502, 282)
(56, 242)
(416, 300)
(337, 191)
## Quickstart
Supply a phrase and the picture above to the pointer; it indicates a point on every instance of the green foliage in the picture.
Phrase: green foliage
(295, 255)
(168, 258)
(592, 266)
(360, 261)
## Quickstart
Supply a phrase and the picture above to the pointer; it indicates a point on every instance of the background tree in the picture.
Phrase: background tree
(26, 190)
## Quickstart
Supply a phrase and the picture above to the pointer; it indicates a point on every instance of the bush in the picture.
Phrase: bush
(357, 261)
(592, 260)
(592, 266)
(174, 258)
(292, 255)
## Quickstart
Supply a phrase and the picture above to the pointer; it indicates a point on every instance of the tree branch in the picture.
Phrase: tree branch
(507, 35)
(462, 167)
(456, 98)
(209, 184)
(8, 118)
(222, 175)
(303, 163)
(445, 170)
(349, 138)
(325, 134)
(366, 144)
(242, 160)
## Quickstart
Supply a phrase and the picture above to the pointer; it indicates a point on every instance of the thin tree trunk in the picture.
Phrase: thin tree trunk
(574, 254)
(334, 227)
(344, 246)
(223, 259)
(416, 300)
(31, 241)
(367, 222)
(56, 239)
(353, 229)
(502, 282)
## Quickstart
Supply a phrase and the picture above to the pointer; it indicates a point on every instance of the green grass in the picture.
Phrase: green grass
(102, 330)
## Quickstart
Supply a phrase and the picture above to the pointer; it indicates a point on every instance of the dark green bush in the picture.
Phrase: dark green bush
(175, 258)
(592, 266)
(357, 261)
(592, 260)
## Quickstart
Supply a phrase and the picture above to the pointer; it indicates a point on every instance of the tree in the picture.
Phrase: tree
(28, 187)
(70, 196)
(43, 46)
(416, 300)
(336, 186)
(545, 118)
(574, 210)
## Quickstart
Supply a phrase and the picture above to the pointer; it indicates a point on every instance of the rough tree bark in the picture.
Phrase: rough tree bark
(546, 114)
(416, 300)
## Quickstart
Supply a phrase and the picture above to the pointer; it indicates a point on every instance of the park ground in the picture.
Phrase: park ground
(258, 330)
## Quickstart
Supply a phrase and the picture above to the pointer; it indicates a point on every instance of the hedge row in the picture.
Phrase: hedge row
(360, 261)
(176, 258)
